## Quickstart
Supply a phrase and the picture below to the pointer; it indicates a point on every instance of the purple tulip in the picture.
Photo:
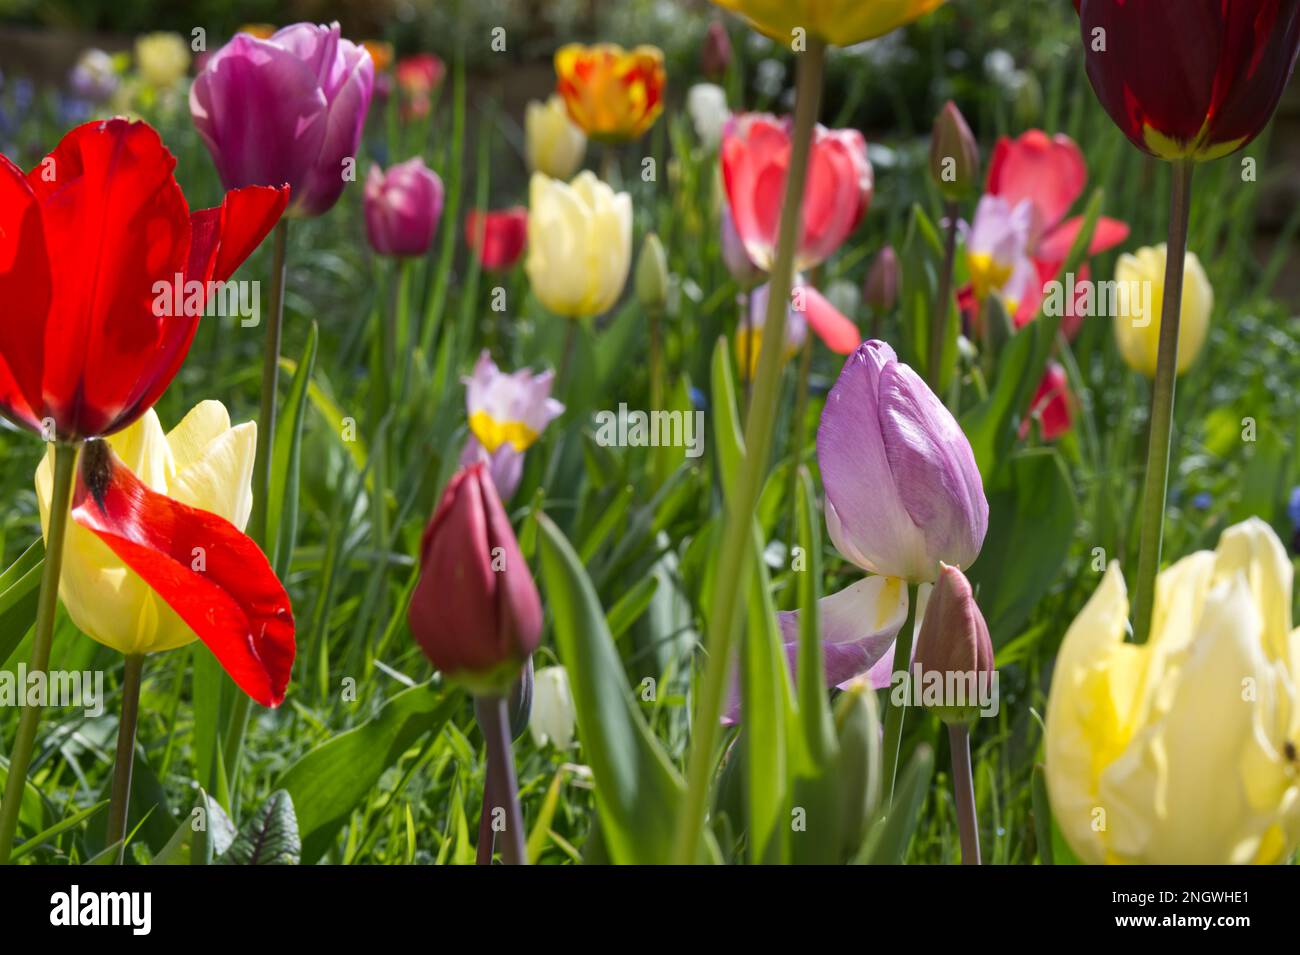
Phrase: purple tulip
(286, 110)
(402, 207)
(902, 489)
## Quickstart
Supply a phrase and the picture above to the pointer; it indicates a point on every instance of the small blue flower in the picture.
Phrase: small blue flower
(1203, 501)
(699, 399)
(1293, 508)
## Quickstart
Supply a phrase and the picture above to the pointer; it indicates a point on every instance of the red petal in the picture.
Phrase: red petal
(25, 290)
(829, 324)
(1049, 171)
(235, 604)
(1056, 244)
(223, 237)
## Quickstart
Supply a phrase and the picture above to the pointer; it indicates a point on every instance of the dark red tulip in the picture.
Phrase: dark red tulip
(497, 237)
(214, 577)
(84, 239)
(715, 54)
(475, 611)
(1194, 78)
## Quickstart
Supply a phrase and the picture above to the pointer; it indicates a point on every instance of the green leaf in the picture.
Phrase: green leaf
(727, 432)
(858, 770)
(20, 586)
(629, 607)
(1042, 815)
(330, 781)
(638, 790)
(1032, 516)
(270, 837)
(282, 505)
(45, 835)
(888, 841)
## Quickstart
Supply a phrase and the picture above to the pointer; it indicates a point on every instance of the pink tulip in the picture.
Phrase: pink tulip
(286, 110)
(475, 611)
(755, 155)
(402, 208)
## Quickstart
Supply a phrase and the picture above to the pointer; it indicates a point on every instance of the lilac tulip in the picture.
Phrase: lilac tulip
(402, 207)
(902, 490)
(507, 413)
(286, 110)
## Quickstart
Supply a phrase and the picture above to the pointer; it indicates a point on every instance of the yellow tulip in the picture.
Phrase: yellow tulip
(202, 462)
(553, 143)
(839, 22)
(1138, 333)
(579, 244)
(1183, 749)
(162, 58)
(612, 93)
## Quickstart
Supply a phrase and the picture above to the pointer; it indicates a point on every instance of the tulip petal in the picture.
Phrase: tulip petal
(829, 324)
(1048, 171)
(1056, 245)
(224, 236)
(233, 601)
(26, 291)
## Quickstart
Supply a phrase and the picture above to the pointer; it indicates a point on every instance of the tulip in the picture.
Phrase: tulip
(475, 611)
(880, 291)
(954, 639)
(82, 257)
(1182, 750)
(903, 494)
(1207, 88)
(381, 54)
(734, 256)
(755, 152)
(553, 143)
(706, 104)
(507, 413)
(652, 275)
(497, 237)
(996, 243)
(715, 54)
(94, 78)
(162, 59)
(402, 207)
(749, 333)
(288, 109)
(554, 716)
(954, 154)
(418, 77)
(1050, 406)
(614, 94)
(262, 31)
(1137, 331)
(579, 244)
(838, 22)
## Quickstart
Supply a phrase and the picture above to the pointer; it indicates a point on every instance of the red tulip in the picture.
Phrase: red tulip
(1051, 405)
(84, 239)
(418, 77)
(1193, 79)
(475, 611)
(755, 154)
(497, 237)
(215, 578)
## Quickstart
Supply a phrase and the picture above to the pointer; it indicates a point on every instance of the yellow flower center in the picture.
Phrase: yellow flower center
(492, 433)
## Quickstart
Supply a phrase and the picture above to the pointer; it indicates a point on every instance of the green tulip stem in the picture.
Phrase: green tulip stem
(1160, 436)
(943, 306)
(257, 529)
(733, 572)
(963, 790)
(494, 720)
(656, 359)
(894, 712)
(125, 759)
(65, 468)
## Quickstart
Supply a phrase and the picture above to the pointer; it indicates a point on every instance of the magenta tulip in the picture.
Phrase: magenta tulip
(286, 110)
(402, 207)
(475, 611)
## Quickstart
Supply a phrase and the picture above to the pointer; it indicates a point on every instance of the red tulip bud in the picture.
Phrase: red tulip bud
(475, 611)
(954, 154)
(954, 640)
(715, 55)
(880, 291)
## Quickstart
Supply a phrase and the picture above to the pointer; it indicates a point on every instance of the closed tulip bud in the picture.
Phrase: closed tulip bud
(1138, 315)
(903, 494)
(652, 275)
(880, 291)
(715, 54)
(553, 143)
(553, 711)
(954, 154)
(954, 641)
(475, 611)
(579, 244)
(1182, 750)
(402, 208)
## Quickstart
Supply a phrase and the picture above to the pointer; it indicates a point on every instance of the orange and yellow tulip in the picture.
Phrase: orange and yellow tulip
(613, 94)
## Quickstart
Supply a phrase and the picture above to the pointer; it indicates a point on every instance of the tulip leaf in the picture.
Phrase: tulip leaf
(282, 505)
(330, 781)
(814, 707)
(726, 422)
(638, 790)
(63, 825)
(1042, 815)
(20, 587)
(270, 837)
(858, 769)
(1032, 516)
(887, 842)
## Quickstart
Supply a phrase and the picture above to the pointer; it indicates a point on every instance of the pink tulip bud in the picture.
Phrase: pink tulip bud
(402, 208)
(954, 640)
(954, 154)
(475, 611)
(881, 288)
(715, 55)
